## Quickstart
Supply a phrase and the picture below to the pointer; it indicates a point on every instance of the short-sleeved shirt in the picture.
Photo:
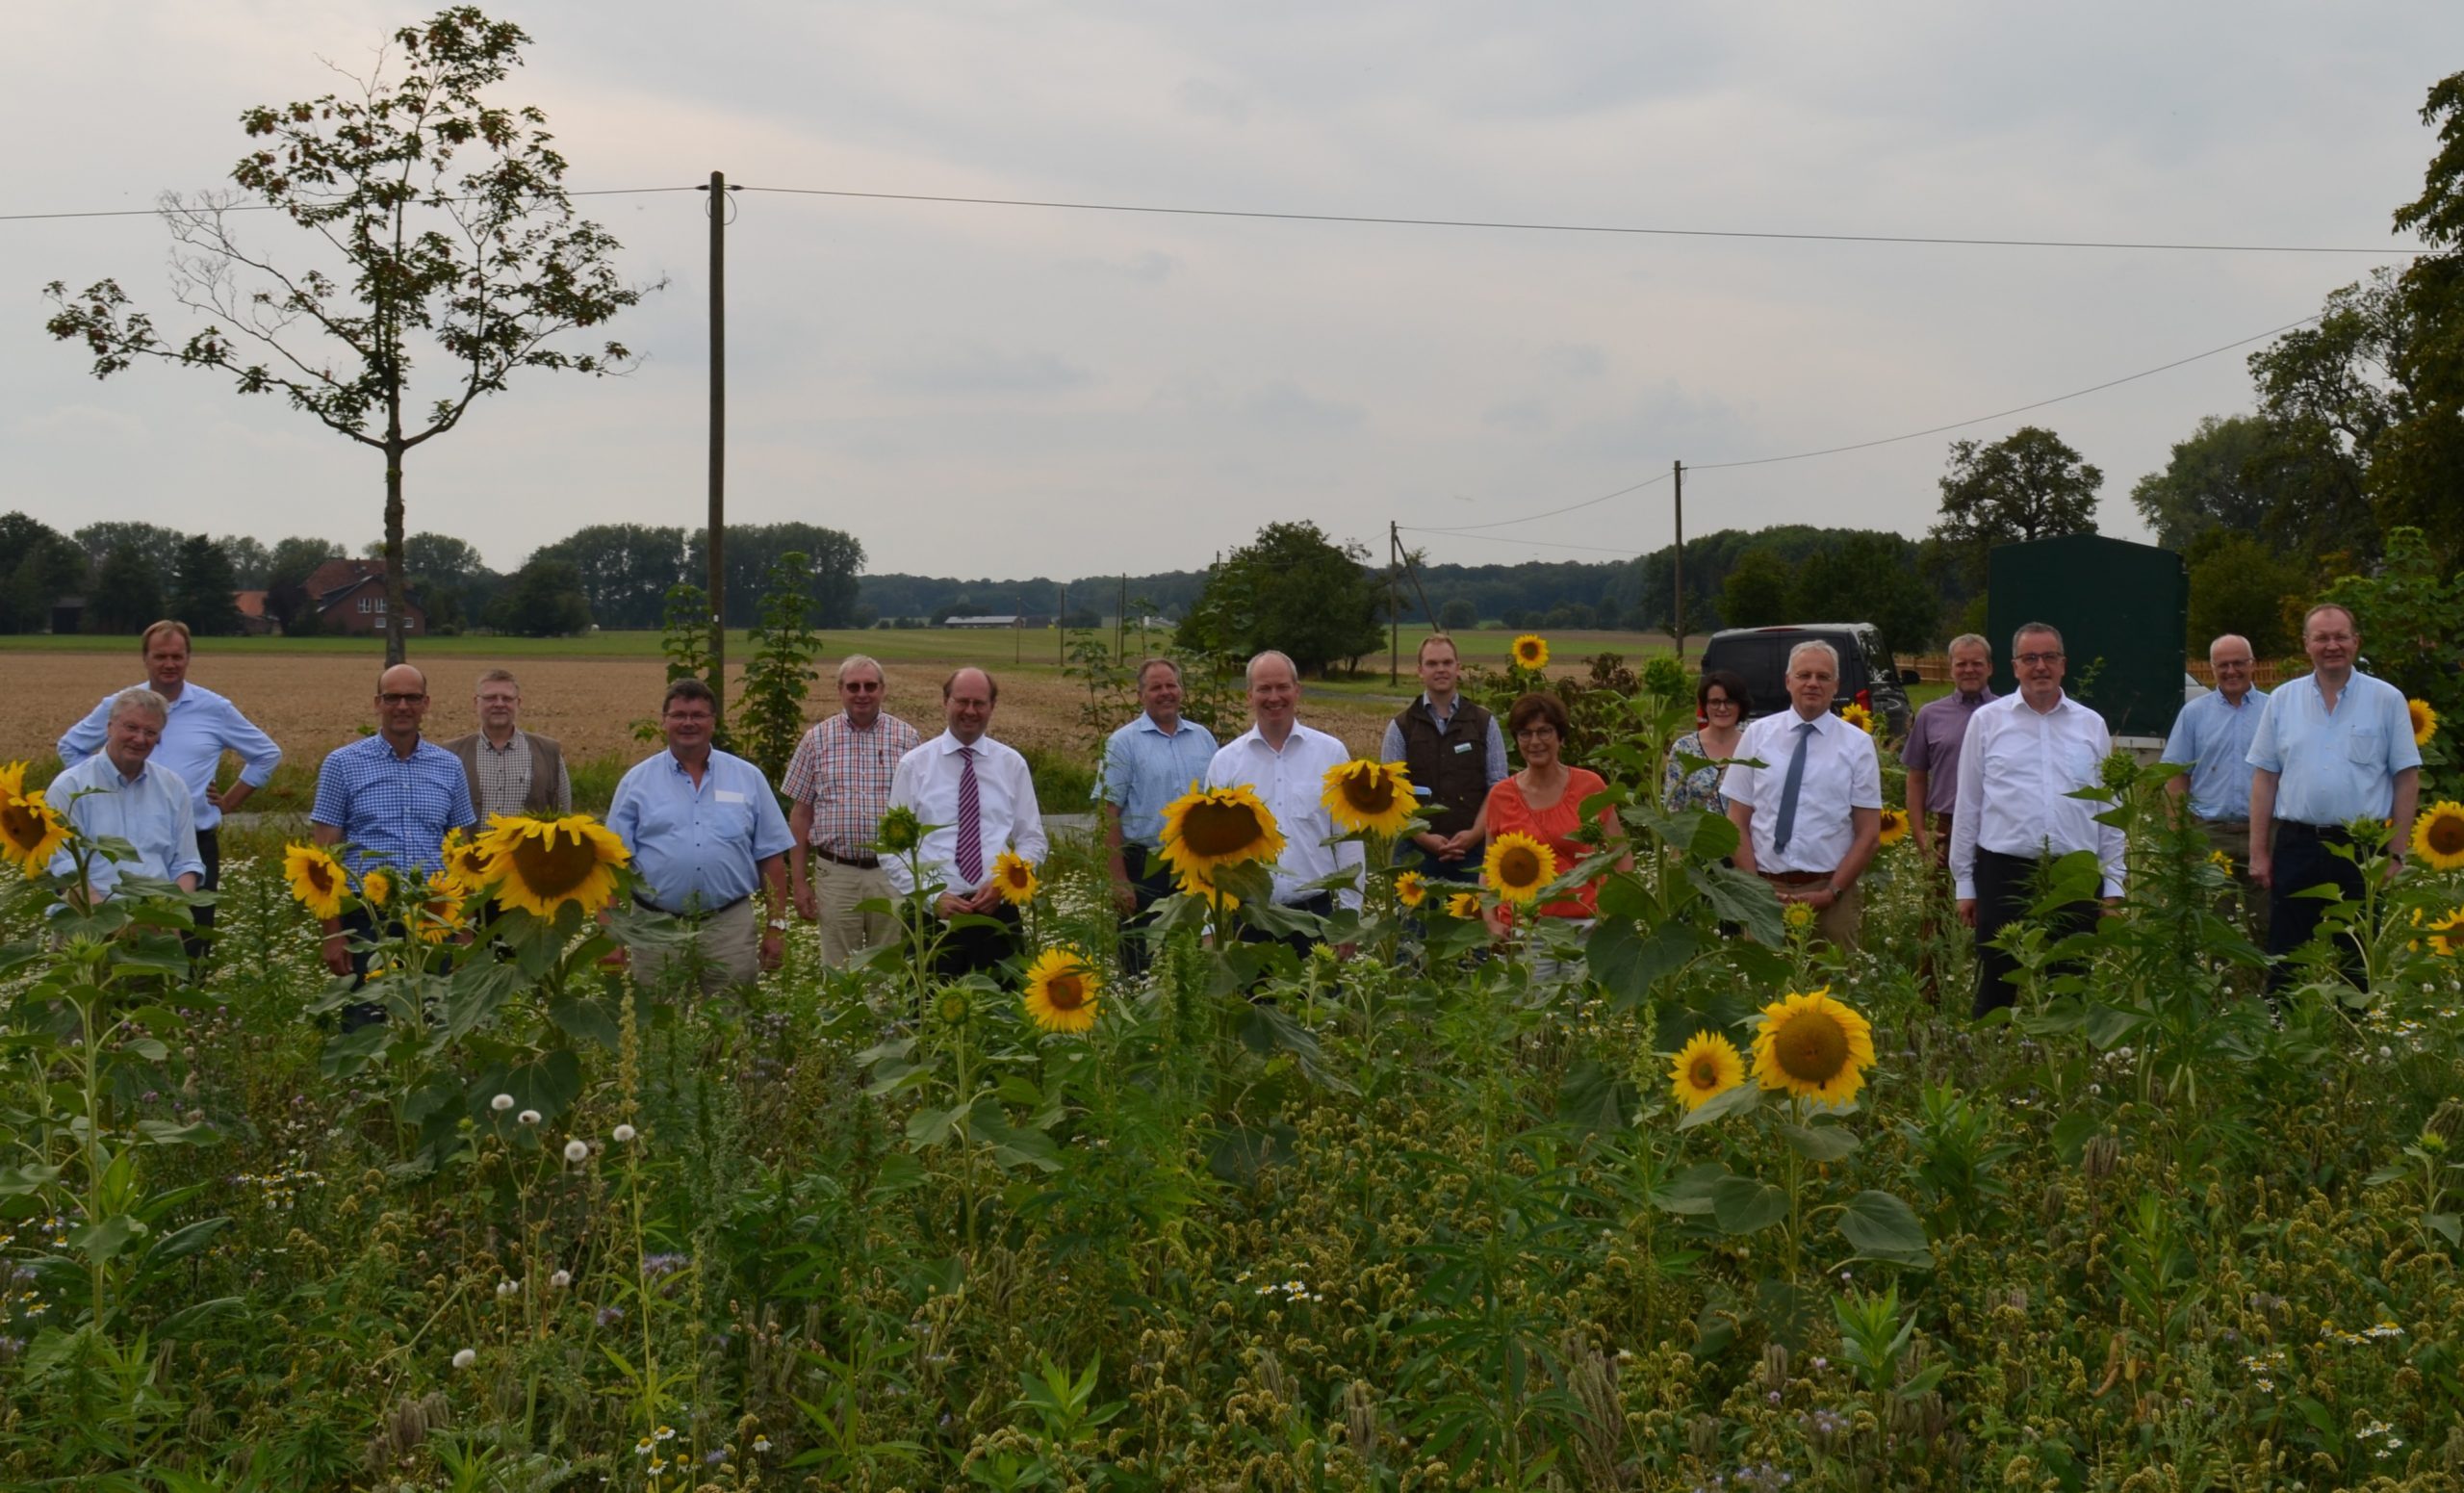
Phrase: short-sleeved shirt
(151, 811)
(1555, 827)
(698, 847)
(845, 774)
(198, 729)
(2212, 737)
(2335, 768)
(1842, 774)
(393, 810)
(1933, 746)
(1146, 769)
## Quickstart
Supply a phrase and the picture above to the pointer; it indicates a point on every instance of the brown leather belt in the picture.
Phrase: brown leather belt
(857, 862)
(1795, 878)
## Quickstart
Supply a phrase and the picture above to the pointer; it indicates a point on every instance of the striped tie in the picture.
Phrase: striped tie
(970, 856)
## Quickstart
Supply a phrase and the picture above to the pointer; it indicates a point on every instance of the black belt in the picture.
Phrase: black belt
(857, 862)
(648, 905)
(2315, 831)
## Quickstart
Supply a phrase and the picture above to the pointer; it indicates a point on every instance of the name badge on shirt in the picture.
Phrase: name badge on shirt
(728, 796)
(1461, 747)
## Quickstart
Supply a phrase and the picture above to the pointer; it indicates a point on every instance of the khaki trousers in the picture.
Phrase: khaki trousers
(840, 889)
(729, 943)
(1840, 923)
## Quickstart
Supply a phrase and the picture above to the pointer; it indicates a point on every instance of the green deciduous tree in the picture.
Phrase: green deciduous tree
(38, 565)
(2240, 583)
(625, 569)
(833, 559)
(2213, 481)
(160, 547)
(543, 599)
(127, 594)
(202, 587)
(250, 559)
(2028, 485)
(1292, 588)
(1760, 592)
(438, 223)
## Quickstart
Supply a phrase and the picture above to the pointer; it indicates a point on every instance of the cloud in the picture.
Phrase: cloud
(979, 369)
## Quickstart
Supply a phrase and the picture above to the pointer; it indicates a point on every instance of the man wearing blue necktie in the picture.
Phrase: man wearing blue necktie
(1810, 817)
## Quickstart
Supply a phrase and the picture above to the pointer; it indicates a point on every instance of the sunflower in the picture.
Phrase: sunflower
(1894, 826)
(1797, 916)
(1411, 888)
(317, 878)
(2221, 860)
(2438, 835)
(432, 908)
(545, 864)
(1705, 1068)
(1016, 878)
(2425, 721)
(1464, 904)
(1858, 716)
(1531, 652)
(1518, 866)
(375, 888)
(1194, 884)
(1206, 828)
(466, 864)
(1062, 991)
(1812, 1046)
(30, 833)
(2440, 932)
(1372, 796)
(900, 832)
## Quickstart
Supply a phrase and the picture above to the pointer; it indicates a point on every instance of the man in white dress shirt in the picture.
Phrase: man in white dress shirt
(1286, 762)
(2023, 754)
(1809, 819)
(979, 794)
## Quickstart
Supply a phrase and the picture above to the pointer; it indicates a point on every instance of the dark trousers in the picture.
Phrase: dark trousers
(209, 849)
(359, 928)
(2301, 858)
(2003, 894)
(1321, 905)
(975, 950)
(1151, 881)
(1465, 871)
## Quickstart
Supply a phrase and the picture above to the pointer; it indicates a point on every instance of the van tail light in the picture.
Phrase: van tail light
(1865, 698)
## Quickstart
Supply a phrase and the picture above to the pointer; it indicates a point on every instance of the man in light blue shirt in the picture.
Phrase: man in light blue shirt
(199, 728)
(706, 833)
(1147, 764)
(2333, 747)
(119, 794)
(2212, 737)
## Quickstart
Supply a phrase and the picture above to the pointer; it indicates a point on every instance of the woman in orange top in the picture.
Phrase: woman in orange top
(1545, 801)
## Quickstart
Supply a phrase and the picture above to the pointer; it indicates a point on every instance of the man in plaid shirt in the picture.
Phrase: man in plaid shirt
(838, 782)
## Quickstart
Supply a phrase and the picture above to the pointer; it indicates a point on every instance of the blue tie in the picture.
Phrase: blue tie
(1787, 822)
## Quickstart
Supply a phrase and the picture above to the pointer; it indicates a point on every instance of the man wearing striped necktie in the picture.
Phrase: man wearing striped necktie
(978, 795)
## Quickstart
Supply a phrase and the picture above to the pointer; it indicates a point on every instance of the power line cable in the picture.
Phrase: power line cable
(1597, 228)
(1543, 543)
(270, 206)
(1466, 528)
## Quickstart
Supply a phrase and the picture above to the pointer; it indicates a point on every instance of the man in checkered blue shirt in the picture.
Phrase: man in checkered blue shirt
(389, 799)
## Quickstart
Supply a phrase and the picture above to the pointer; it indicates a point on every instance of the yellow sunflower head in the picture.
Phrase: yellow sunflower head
(1206, 828)
(1812, 1046)
(1464, 904)
(1062, 990)
(1411, 888)
(1858, 716)
(1016, 878)
(30, 833)
(432, 908)
(1705, 1068)
(2446, 934)
(2221, 860)
(2438, 835)
(2425, 721)
(317, 878)
(1797, 916)
(1531, 652)
(1518, 866)
(545, 864)
(376, 887)
(465, 863)
(1895, 825)
(1196, 884)
(1372, 796)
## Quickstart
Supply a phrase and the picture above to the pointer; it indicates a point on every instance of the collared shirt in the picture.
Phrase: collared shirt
(394, 810)
(1842, 773)
(2016, 768)
(698, 847)
(504, 777)
(1146, 769)
(200, 729)
(1007, 815)
(844, 773)
(1933, 745)
(2212, 736)
(1493, 762)
(2335, 768)
(1292, 783)
(152, 812)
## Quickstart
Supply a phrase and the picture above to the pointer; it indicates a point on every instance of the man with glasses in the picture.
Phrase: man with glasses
(1931, 757)
(1455, 754)
(2023, 756)
(1809, 818)
(389, 800)
(511, 771)
(2212, 737)
(838, 784)
(2332, 748)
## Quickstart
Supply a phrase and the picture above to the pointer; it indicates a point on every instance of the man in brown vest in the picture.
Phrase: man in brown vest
(1455, 754)
(511, 771)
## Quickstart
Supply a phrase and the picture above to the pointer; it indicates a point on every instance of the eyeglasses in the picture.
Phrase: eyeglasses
(400, 699)
(1719, 704)
(1536, 734)
(2033, 659)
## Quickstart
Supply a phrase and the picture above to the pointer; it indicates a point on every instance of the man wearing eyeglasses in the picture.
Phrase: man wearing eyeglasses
(2212, 737)
(389, 800)
(2023, 756)
(838, 783)
(1809, 818)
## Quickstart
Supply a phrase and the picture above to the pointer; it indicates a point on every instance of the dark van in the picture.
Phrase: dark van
(1759, 656)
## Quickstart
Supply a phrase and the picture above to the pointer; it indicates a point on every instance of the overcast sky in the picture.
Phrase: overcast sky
(1009, 391)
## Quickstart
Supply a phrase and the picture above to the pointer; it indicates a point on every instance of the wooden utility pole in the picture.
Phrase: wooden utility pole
(1393, 603)
(718, 534)
(1677, 476)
